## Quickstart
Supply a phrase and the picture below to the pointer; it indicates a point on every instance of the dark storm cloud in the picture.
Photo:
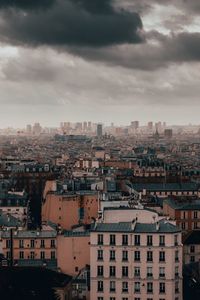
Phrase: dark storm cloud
(161, 51)
(67, 22)
(26, 4)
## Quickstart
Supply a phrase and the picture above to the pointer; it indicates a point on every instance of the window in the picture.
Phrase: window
(112, 286)
(53, 244)
(137, 272)
(161, 256)
(162, 240)
(149, 272)
(21, 243)
(100, 239)
(162, 287)
(176, 271)
(176, 240)
(42, 244)
(149, 240)
(161, 272)
(149, 287)
(149, 256)
(176, 256)
(112, 254)
(8, 255)
(112, 271)
(42, 255)
(53, 254)
(100, 298)
(112, 298)
(99, 286)
(32, 254)
(137, 240)
(112, 239)
(125, 255)
(195, 214)
(176, 287)
(124, 271)
(32, 243)
(99, 254)
(183, 225)
(192, 249)
(137, 255)
(21, 254)
(8, 243)
(99, 270)
(124, 287)
(192, 258)
(195, 225)
(137, 287)
(124, 239)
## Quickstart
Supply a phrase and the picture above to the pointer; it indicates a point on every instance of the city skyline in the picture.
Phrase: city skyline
(138, 60)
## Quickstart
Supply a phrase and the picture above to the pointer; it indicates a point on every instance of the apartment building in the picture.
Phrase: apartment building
(73, 252)
(185, 212)
(191, 249)
(70, 208)
(135, 260)
(31, 248)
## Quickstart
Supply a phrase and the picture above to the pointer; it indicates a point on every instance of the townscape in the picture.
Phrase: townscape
(99, 150)
(100, 212)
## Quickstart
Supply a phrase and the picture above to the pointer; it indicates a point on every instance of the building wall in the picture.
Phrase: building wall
(48, 248)
(191, 253)
(127, 215)
(73, 253)
(169, 266)
(69, 210)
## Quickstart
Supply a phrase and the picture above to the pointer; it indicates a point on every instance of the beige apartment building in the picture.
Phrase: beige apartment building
(70, 208)
(137, 256)
(73, 251)
(31, 247)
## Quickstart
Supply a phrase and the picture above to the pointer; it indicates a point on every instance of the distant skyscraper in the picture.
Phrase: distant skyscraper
(158, 126)
(168, 133)
(89, 126)
(37, 129)
(150, 125)
(29, 129)
(85, 126)
(135, 124)
(99, 130)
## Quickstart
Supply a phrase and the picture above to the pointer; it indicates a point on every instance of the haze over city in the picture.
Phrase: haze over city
(104, 61)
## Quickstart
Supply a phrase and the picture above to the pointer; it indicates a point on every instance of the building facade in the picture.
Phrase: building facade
(136, 260)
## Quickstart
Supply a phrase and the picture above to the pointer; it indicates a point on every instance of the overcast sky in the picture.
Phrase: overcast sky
(99, 60)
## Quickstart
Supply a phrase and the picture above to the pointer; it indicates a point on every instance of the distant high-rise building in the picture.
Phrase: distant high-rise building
(85, 126)
(89, 126)
(99, 130)
(29, 129)
(135, 124)
(150, 125)
(168, 133)
(158, 126)
(37, 129)
(78, 127)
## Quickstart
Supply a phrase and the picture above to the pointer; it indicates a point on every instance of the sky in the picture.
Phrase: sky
(100, 61)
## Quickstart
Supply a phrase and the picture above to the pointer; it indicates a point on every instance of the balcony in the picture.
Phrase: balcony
(47, 263)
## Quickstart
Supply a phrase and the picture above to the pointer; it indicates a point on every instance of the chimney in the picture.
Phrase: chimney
(157, 226)
(133, 224)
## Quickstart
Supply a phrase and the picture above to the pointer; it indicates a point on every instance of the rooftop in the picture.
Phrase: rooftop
(164, 227)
